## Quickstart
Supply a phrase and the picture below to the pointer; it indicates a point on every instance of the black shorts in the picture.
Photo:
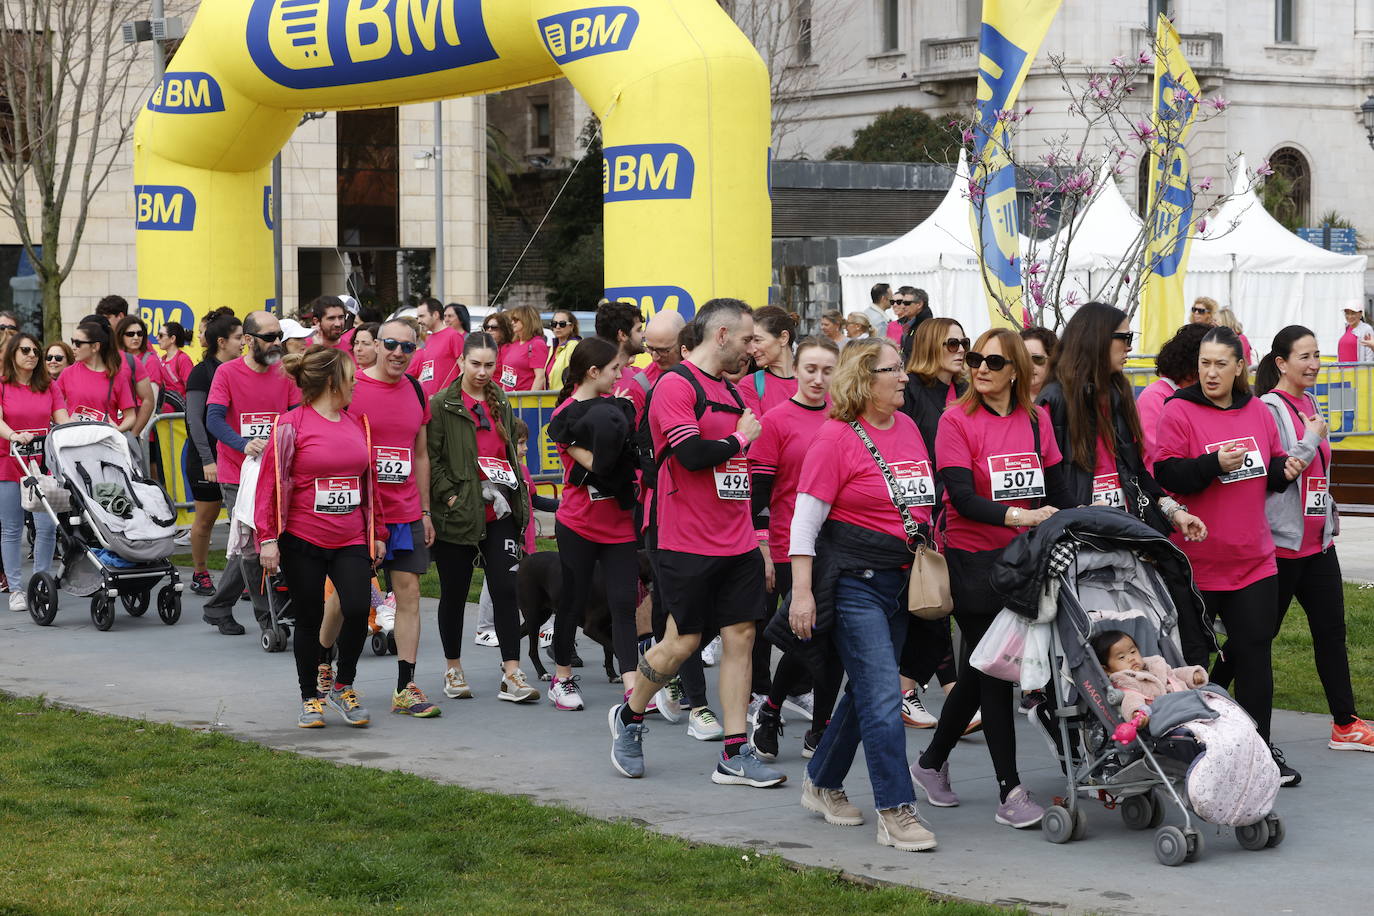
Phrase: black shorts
(710, 593)
(202, 490)
(411, 561)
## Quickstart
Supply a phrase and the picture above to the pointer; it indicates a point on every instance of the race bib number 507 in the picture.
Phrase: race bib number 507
(1018, 476)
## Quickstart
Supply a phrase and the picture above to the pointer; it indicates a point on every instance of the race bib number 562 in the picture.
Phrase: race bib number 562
(1018, 476)
(393, 464)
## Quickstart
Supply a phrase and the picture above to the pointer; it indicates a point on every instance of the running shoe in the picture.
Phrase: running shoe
(756, 702)
(832, 804)
(312, 713)
(666, 705)
(703, 725)
(1288, 776)
(456, 685)
(914, 712)
(767, 730)
(976, 723)
(1020, 810)
(676, 693)
(746, 769)
(182, 538)
(18, 601)
(413, 702)
(324, 680)
(935, 784)
(344, 700)
(812, 740)
(516, 689)
(486, 638)
(1357, 736)
(546, 635)
(803, 704)
(901, 828)
(711, 654)
(227, 625)
(564, 693)
(386, 613)
(202, 584)
(627, 744)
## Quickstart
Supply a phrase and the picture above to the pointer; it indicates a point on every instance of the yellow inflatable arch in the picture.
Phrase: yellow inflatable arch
(682, 95)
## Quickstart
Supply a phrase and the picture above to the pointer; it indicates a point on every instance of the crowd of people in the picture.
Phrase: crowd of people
(775, 481)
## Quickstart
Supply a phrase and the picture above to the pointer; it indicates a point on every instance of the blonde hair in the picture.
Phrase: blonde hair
(861, 320)
(531, 325)
(317, 371)
(1014, 349)
(851, 387)
(1208, 303)
(927, 348)
(1227, 319)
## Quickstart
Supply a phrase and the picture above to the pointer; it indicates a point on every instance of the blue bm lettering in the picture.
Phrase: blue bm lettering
(651, 299)
(164, 207)
(647, 171)
(187, 93)
(585, 33)
(157, 312)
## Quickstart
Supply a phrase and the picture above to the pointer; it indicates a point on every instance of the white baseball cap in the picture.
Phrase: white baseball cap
(350, 304)
(291, 329)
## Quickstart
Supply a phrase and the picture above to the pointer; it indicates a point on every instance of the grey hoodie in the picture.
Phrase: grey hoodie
(1284, 510)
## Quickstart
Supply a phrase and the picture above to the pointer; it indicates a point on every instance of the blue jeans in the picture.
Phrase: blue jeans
(12, 536)
(869, 632)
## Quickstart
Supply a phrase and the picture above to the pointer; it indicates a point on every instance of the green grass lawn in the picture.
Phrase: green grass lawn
(104, 815)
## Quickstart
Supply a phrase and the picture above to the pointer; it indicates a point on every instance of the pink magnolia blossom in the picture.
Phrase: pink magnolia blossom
(1119, 63)
(1219, 104)
(1071, 299)
(1144, 131)
(1145, 59)
(1035, 268)
(1264, 170)
(967, 135)
(1201, 226)
(1204, 184)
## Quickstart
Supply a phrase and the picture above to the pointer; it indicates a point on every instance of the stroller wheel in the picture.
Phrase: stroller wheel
(379, 643)
(1080, 823)
(1057, 824)
(275, 639)
(136, 603)
(168, 605)
(1170, 846)
(102, 610)
(1138, 812)
(1193, 836)
(1253, 836)
(1275, 829)
(42, 598)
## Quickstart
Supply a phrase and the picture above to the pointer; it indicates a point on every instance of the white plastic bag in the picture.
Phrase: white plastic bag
(1035, 661)
(999, 653)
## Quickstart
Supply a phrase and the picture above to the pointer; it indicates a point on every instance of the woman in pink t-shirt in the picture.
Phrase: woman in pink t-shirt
(525, 359)
(1001, 468)
(1219, 448)
(131, 337)
(595, 521)
(95, 388)
(176, 365)
(1176, 366)
(29, 404)
(849, 547)
(314, 512)
(775, 333)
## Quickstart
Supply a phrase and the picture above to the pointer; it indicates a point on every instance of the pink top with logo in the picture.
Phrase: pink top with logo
(701, 512)
(329, 471)
(788, 431)
(396, 415)
(776, 391)
(252, 402)
(1239, 549)
(1150, 404)
(435, 364)
(518, 361)
(839, 470)
(176, 371)
(493, 460)
(592, 515)
(25, 411)
(89, 395)
(1000, 451)
(1315, 481)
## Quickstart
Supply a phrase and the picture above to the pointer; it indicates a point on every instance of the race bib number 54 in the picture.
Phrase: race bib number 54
(1016, 477)
(1251, 466)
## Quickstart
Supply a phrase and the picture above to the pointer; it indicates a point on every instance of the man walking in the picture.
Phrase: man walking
(435, 365)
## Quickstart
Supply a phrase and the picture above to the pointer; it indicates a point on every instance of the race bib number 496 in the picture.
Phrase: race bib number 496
(914, 485)
(1251, 466)
(732, 479)
(1016, 477)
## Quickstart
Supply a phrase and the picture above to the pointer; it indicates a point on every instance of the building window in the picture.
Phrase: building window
(803, 32)
(1288, 192)
(1285, 21)
(973, 17)
(368, 159)
(890, 18)
(541, 125)
(1159, 8)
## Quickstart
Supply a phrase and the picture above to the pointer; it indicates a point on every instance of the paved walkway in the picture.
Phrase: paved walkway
(191, 676)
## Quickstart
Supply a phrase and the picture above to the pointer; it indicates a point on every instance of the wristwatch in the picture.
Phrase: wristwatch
(1015, 516)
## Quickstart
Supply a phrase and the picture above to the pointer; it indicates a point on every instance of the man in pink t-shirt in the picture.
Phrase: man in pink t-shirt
(435, 364)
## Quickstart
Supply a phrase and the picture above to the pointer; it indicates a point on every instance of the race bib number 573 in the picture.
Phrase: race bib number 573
(1018, 476)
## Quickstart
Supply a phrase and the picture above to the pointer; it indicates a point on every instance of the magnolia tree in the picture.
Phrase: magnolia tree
(1065, 173)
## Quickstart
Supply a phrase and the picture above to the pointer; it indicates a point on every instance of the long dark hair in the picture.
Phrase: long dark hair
(491, 392)
(1081, 366)
(1227, 338)
(39, 379)
(97, 331)
(592, 353)
(1267, 375)
(133, 321)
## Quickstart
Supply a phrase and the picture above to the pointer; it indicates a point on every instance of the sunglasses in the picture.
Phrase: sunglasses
(56, 357)
(80, 343)
(1199, 310)
(560, 324)
(1039, 359)
(9, 327)
(887, 369)
(955, 344)
(270, 337)
(28, 351)
(1126, 337)
(491, 327)
(391, 343)
(128, 334)
(996, 362)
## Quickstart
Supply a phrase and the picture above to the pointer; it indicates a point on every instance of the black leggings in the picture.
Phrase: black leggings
(1250, 615)
(975, 606)
(305, 566)
(928, 652)
(500, 551)
(620, 573)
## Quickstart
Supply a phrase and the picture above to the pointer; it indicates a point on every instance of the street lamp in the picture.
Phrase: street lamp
(1367, 116)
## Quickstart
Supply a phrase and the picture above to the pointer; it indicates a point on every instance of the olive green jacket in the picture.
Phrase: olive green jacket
(453, 470)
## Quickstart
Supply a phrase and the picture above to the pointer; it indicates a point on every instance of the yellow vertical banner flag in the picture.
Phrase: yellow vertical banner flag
(1008, 44)
(1169, 232)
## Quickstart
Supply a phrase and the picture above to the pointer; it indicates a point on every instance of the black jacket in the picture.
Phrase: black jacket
(1193, 475)
(605, 427)
(926, 403)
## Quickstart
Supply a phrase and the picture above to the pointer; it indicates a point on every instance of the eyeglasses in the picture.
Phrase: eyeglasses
(955, 344)
(80, 343)
(269, 337)
(996, 362)
(1199, 310)
(56, 357)
(9, 327)
(887, 369)
(560, 324)
(658, 351)
(128, 334)
(391, 343)
(491, 327)
(1126, 337)
(1039, 359)
(29, 351)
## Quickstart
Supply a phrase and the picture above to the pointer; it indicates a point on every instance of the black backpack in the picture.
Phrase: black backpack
(649, 463)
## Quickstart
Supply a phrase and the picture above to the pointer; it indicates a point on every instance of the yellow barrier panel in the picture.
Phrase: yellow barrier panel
(682, 95)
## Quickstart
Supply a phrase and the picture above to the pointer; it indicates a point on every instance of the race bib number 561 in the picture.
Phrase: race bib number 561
(1016, 477)
(337, 495)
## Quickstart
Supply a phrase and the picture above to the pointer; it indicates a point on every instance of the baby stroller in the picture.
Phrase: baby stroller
(1103, 570)
(115, 528)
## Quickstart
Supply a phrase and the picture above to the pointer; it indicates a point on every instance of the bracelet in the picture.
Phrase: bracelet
(425, 513)
(265, 541)
(1015, 515)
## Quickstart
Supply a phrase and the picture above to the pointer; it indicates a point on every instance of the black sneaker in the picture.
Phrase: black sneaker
(245, 596)
(1287, 775)
(767, 730)
(201, 584)
(810, 741)
(227, 625)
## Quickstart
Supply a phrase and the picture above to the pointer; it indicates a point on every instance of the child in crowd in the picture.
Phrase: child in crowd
(1141, 678)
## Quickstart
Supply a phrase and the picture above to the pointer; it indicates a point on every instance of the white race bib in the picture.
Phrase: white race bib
(508, 378)
(256, 425)
(34, 449)
(1316, 496)
(596, 495)
(732, 479)
(90, 415)
(1252, 466)
(337, 495)
(427, 371)
(1016, 477)
(1107, 490)
(498, 471)
(393, 464)
(914, 484)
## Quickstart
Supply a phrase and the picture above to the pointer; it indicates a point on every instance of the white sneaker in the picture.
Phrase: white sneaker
(18, 602)
(487, 638)
(803, 705)
(667, 706)
(546, 635)
(703, 725)
(386, 613)
(456, 685)
(564, 694)
(914, 712)
(183, 538)
(711, 654)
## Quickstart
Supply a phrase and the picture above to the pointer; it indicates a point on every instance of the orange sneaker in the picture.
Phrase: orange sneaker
(1357, 736)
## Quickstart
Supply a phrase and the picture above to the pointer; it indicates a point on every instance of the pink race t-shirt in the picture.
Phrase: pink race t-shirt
(702, 512)
(518, 362)
(252, 402)
(1150, 404)
(788, 431)
(176, 371)
(593, 515)
(25, 411)
(329, 477)
(630, 386)
(895, 330)
(1348, 347)
(1315, 481)
(1000, 451)
(435, 365)
(1239, 549)
(89, 395)
(396, 414)
(1107, 487)
(776, 391)
(839, 470)
(493, 459)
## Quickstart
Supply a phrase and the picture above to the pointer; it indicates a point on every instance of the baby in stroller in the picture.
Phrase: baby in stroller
(1141, 678)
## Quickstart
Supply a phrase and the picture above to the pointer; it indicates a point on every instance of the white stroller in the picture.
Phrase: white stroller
(115, 528)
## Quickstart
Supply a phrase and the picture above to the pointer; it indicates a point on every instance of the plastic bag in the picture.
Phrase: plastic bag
(999, 653)
(1035, 659)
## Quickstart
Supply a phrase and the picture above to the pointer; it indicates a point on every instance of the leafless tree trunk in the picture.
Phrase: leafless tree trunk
(64, 116)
